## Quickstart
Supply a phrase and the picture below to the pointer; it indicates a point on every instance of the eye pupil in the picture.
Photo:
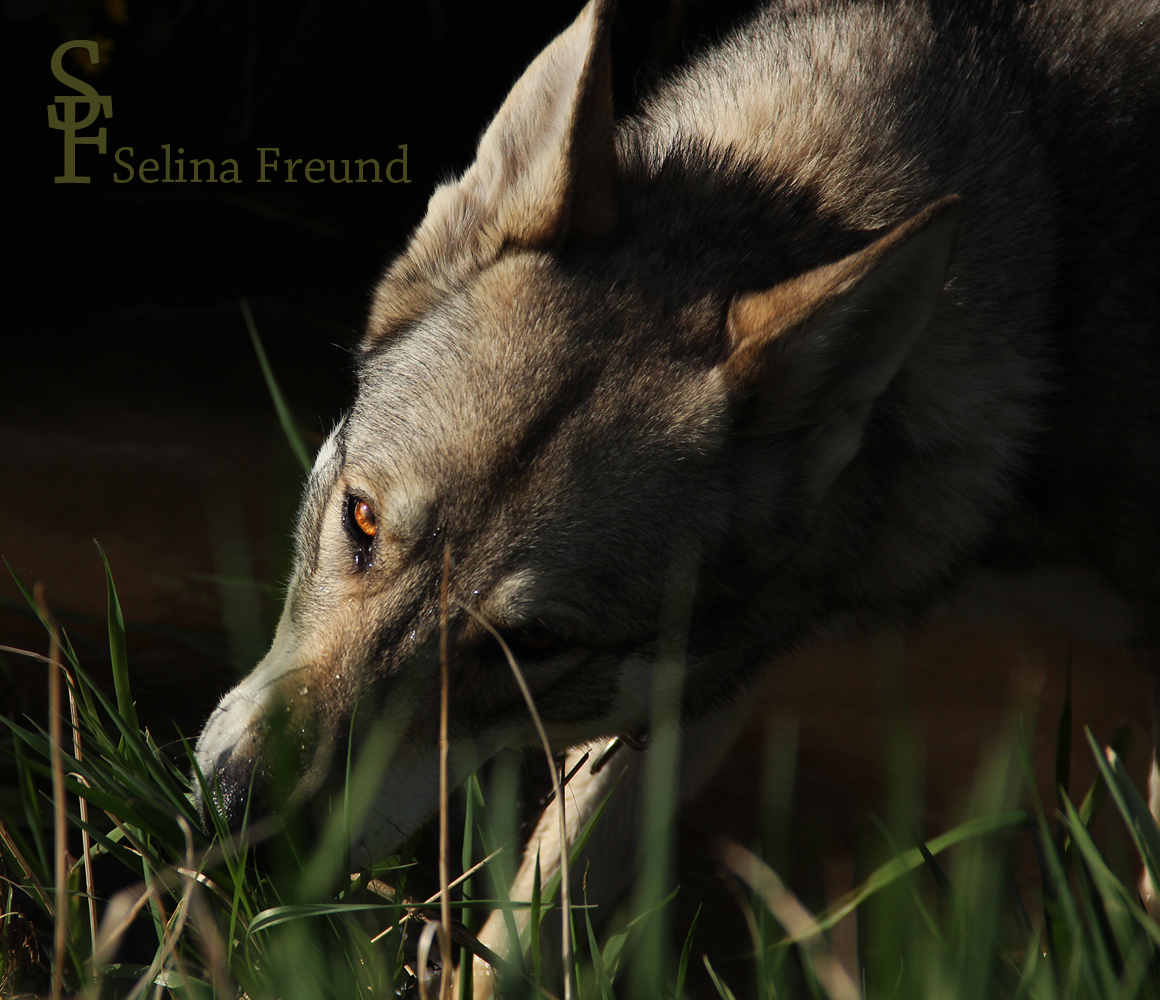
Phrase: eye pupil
(364, 518)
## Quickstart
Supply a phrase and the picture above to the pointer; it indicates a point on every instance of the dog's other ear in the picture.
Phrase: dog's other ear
(545, 170)
(813, 354)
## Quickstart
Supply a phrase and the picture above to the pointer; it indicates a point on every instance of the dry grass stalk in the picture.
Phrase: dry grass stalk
(172, 927)
(460, 934)
(444, 837)
(86, 839)
(120, 912)
(26, 872)
(24, 652)
(425, 938)
(59, 813)
(798, 922)
(381, 888)
(557, 790)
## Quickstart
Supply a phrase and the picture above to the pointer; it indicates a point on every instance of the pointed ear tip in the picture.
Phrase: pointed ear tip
(599, 14)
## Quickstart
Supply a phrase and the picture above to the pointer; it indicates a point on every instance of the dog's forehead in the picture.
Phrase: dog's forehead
(477, 377)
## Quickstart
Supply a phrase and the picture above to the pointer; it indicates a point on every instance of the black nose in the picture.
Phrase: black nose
(238, 790)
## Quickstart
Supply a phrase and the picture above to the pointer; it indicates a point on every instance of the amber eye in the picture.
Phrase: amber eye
(361, 525)
(363, 516)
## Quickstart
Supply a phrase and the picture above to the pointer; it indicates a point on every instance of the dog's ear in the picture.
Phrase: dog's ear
(545, 170)
(813, 354)
(546, 166)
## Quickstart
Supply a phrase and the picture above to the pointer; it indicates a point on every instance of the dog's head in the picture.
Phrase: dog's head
(581, 436)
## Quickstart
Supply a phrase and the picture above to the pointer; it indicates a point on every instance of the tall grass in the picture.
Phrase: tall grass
(225, 923)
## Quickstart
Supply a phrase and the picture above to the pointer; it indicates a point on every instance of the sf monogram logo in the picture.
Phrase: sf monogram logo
(70, 126)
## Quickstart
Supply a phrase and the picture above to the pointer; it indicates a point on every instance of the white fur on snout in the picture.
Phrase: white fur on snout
(242, 708)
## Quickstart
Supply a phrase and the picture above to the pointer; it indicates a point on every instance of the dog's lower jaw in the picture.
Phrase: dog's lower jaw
(405, 797)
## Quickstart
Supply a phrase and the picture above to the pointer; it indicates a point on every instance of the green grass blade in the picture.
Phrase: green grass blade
(1098, 793)
(66, 643)
(1132, 807)
(1033, 970)
(136, 758)
(1121, 903)
(1097, 947)
(686, 952)
(1064, 926)
(285, 417)
(906, 862)
(30, 804)
(67, 648)
(603, 981)
(105, 842)
(148, 823)
(473, 794)
(579, 843)
(500, 828)
(27, 595)
(613, 948)
(118, 652)
(276, 915)
(941, 879)
(1063, 740)
(1137, 966)
(146, 813)
(534, 922)
(659, 905)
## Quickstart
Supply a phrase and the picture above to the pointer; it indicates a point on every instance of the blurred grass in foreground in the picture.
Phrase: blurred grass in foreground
(296, 924)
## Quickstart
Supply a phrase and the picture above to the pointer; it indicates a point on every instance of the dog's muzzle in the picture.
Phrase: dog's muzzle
(259, 749)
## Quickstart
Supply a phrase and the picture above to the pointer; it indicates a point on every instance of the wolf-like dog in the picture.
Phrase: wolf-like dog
(858, 317)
